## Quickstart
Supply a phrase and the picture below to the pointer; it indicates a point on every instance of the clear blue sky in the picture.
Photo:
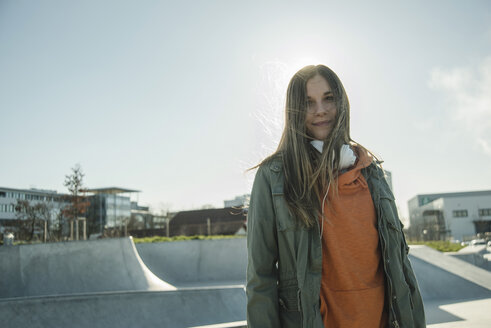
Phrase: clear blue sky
(178, 98)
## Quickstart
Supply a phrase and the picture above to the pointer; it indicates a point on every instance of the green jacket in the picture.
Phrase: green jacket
(285, 259)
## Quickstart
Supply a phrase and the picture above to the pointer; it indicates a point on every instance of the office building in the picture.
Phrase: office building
(452, 216)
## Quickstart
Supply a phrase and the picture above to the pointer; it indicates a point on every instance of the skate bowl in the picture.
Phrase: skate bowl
(74, 267)
(106, 283)
(197, 262)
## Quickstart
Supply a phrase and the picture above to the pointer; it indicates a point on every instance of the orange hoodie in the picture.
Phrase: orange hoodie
(352, 288)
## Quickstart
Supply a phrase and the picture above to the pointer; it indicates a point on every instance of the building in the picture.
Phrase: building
(388, 178)
(144, 223)
(9, 197)
(238, 201)
(450, 216)
(216, 221)
(141, 218)
(110, 208)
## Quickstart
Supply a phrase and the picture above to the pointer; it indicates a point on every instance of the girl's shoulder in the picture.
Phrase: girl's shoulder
(273, 162)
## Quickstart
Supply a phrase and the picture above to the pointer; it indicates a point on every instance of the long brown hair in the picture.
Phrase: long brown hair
(307, 172)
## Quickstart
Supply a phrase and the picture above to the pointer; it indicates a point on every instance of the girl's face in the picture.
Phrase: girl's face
(321, 108)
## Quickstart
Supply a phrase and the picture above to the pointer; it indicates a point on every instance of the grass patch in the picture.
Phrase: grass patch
(439, 245)
(160, 239)
(26, 242)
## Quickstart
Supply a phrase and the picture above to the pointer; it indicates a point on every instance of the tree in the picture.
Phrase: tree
(77, 199)
(32, 218)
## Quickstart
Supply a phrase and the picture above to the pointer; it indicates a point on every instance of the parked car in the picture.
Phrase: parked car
(476, 242)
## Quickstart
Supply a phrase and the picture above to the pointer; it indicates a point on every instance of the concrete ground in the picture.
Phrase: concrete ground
(179, 309)
(467, 314)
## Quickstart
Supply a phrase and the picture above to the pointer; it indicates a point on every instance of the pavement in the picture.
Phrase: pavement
(187, 284)
(178, 308)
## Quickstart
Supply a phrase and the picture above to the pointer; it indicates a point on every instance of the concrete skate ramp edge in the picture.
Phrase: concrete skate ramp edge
(197, 262)
(444, 278)
(74, 267)
(476, 255)
(180, 308)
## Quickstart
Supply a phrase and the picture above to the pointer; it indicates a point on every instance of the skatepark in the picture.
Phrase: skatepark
(197, 283)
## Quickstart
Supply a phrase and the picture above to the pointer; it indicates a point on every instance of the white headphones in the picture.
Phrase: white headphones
(348, 157)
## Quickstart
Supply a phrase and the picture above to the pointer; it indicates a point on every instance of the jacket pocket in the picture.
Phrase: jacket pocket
(404, 308)
(290, 307)
(288, 293)
(284, 220)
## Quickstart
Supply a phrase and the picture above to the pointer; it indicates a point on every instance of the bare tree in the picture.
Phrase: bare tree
(32, 218)
(78, 202)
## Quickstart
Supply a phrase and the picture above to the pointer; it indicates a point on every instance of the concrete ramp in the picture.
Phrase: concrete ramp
(451, 289)
(74, 267)
(477, 255)
(197, 262)
(447, 278)
(180, 308)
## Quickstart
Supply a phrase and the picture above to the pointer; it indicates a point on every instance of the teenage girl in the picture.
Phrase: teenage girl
(325, 244)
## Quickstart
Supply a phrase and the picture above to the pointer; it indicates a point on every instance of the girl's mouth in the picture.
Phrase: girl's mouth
(322, 123)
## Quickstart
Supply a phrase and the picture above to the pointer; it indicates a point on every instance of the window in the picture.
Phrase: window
(2, 194)
(485, 212)
(460, 214)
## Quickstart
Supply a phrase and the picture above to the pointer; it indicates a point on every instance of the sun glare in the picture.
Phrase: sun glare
(273, 79)
(301, 62)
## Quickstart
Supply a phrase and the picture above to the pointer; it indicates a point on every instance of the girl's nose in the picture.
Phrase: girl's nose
(322, 108)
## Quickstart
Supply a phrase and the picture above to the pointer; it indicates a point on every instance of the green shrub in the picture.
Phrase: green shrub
(439, 245)
(160, 239)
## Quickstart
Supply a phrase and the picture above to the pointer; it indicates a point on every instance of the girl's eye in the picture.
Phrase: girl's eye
(329, 98)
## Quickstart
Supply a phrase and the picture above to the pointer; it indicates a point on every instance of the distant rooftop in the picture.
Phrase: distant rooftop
(457, 194)
(423, 199)
(111, 190)
(31, 190)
